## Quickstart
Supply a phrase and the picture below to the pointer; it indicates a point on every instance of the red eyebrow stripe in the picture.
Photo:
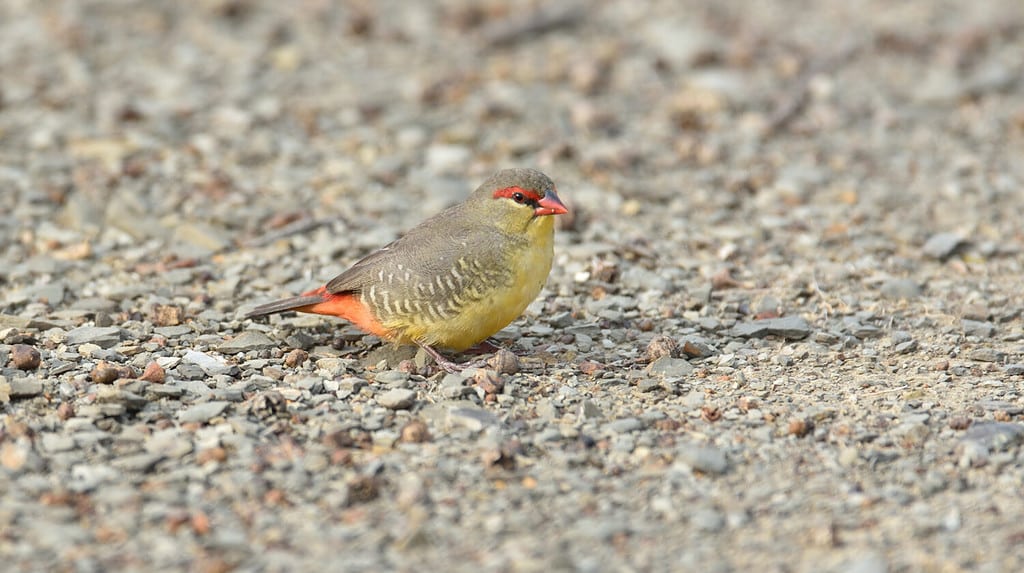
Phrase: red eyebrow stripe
(510, 191)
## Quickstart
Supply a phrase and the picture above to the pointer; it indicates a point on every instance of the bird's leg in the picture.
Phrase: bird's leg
(445, 364)
(485, 347)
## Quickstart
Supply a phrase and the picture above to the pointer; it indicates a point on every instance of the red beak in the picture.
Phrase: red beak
(550, 204)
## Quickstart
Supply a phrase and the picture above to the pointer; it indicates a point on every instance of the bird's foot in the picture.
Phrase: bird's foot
(442, 362)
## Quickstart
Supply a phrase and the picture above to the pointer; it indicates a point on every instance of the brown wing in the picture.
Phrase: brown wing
(417, 247)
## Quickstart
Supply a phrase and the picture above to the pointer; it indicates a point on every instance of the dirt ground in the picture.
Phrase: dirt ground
(783, 331)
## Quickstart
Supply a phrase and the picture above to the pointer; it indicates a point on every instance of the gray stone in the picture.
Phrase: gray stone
(590, 411)
(57, 442)
(397, 399)
(942, 245)
(472, 418)
(102, 336)
(789, 327)
(86, 478)
(26, 387)
(211, 365)
(624, 425)
(704, 459)
(995, 435)
(203, 412)
(246, 342)
(978, 328)
(897, 289)
(1014, 369)
(669, 367)
(142, 462)
(707, 519)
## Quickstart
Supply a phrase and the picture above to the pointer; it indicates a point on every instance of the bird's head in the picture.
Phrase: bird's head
(516, 199)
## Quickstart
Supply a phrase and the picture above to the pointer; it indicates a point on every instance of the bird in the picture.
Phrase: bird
(456, 278)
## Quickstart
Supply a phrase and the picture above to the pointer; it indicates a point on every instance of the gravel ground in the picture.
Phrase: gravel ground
(783, 331)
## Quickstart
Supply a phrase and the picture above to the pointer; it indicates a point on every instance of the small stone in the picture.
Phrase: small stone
(978, 328)
(142, 462)
(246, 342)
(295, 358)
(624, 425)
(65, 411)
(211, 365)
(397, 399)
(709, 520)
(942, 245)
(1014, 369)
(648, 385)
(799, 427)
(488, 380)
(590, 411)
(102, 336)
(985, 355)
(869, 563)
(669, 367)
(996, 436)
(106, 372)
(24, 357)
(205, 238)
(471, 418)
(900, 289)
(504, 362)
(697, 349)
(167, 315)
(26, 387)
(789, 327)
(415, 432)
(662, 346)
(202, 413)
(704, 459)
(154, 373)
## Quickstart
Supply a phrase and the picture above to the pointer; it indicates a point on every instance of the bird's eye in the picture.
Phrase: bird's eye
(518, 197)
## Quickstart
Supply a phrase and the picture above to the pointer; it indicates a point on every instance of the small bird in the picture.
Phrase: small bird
(456, 278)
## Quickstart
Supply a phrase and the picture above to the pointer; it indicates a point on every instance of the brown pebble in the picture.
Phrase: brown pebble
(589, 367)
(710, 413)
(798, 427)
(489, 381)
(106, 372)
(363, 489)
(65, 411)
(1001, 416)
(959, 423)
(645, 325)
(661, 346)
(167, 315)
(415, 432)
(941, 365)
(504, 362)
(215, 454)
(154, 373)
(295, 358)
(24, 357)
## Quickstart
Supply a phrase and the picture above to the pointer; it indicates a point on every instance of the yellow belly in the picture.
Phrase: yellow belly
(478, 320)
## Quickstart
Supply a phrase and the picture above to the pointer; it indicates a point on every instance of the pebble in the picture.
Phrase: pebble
(978, 328)
(247, 342)
(942, 245)
(212, 365)
(471, 418)
(624, 425)
(789, 327)
(25, 387)
(102, 336)
(397, 399)
(668, 367)
(203, 412)
(900, 289)
(704, 459)
(24, 357)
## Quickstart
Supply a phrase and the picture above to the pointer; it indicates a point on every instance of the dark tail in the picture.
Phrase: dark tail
(293, 303)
